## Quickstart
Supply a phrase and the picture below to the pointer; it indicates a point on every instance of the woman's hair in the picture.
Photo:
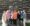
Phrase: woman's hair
(5, 9)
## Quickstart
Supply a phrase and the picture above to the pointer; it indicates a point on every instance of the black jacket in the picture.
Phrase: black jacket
(19, 16)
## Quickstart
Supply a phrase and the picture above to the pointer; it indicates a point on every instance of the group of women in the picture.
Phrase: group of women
(10, 17)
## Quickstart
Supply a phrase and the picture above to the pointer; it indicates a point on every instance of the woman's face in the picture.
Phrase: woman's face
(18, 11)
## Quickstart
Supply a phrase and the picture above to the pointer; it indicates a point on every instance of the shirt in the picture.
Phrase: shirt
(15, 15)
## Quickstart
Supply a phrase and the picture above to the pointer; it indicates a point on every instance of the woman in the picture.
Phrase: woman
(8, 16)
(4, 19)
(15, 16)
(11, 17)
(19, 18)
(24, 18)
(18, 15)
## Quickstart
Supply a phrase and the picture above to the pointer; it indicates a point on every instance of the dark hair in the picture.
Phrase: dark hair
(5, 9)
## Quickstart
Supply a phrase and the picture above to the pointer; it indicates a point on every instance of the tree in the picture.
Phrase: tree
(0, 2)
